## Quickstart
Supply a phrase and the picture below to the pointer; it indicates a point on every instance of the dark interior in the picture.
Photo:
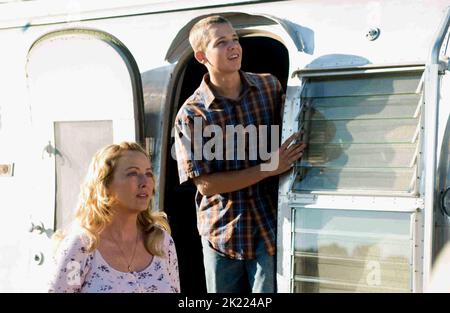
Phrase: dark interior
(260, 55)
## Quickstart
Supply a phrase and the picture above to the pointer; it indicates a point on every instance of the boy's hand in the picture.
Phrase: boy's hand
(287, 155)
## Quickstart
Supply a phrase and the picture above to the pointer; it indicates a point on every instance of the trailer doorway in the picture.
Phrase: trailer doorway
(260, 55)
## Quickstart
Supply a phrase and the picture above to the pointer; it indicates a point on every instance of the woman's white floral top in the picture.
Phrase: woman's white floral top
(78, 270)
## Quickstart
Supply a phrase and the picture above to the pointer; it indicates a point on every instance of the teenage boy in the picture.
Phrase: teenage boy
(236, 196)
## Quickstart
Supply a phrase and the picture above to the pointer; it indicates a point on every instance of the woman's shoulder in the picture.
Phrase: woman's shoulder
(168, 240)
(74, 242)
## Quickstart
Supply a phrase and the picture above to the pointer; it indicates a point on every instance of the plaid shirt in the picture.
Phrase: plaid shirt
(232, 222)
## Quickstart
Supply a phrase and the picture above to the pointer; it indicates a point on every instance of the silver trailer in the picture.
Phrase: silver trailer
(366, 209)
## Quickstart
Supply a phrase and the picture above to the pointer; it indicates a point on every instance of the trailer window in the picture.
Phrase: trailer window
(362, 133)
(352, 251)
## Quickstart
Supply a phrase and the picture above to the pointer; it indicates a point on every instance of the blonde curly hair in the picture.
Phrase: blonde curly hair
(94, 212)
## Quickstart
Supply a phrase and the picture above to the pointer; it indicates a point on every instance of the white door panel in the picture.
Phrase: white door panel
(83, 95)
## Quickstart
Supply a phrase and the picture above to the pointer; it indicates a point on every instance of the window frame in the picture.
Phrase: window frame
(364, 71)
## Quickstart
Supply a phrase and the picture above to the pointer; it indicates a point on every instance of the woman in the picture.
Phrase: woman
(118, 244)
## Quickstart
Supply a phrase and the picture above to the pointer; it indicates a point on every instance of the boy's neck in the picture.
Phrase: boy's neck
(228, 86)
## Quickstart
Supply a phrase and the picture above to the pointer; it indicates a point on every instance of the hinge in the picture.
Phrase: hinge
(443, 65)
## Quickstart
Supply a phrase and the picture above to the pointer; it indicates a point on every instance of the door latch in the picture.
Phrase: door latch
(40, 228)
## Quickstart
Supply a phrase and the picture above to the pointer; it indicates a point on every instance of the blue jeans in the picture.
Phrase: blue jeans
(225, 275)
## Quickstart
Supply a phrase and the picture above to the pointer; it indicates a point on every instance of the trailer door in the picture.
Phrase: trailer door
(85, 93)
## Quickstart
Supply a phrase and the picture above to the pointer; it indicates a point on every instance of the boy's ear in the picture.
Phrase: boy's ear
(200, 57)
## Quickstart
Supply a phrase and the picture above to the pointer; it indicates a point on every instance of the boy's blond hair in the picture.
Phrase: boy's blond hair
(199, 34)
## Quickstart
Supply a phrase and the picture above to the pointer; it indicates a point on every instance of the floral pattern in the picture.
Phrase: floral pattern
(78, 270)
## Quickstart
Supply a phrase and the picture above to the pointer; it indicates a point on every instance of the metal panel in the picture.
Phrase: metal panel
(96, 70)
(75, 143)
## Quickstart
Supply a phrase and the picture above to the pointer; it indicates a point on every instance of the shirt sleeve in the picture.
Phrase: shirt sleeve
(172, 264)
(189, 148)
(71, 264)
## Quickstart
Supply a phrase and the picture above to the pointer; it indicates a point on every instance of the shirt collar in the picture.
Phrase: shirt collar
(209, 96)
